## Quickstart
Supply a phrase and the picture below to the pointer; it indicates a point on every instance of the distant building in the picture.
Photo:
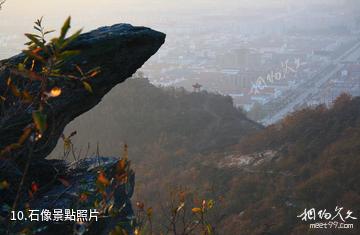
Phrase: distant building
(197, 87)
(353, 71)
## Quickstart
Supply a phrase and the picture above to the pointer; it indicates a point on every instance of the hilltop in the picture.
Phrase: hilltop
(141, 114)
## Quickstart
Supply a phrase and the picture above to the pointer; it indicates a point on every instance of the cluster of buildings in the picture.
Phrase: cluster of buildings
(266, 64)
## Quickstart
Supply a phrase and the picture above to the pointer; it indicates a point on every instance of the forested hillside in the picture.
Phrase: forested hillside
(309, 160)
(141, 114)
(260, 179)
(316, 165)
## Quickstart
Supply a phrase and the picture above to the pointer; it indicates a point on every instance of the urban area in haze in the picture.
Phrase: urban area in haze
(271, 61)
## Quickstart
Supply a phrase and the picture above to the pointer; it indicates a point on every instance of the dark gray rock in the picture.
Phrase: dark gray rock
(119, 50)
(81, 177)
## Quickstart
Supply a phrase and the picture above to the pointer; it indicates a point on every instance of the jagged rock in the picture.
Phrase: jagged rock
(119, 50)
(80, 177)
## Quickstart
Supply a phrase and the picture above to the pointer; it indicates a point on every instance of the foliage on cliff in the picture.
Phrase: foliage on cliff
(44, 88)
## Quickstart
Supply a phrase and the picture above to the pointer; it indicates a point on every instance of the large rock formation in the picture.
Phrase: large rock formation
(82, 176)
(119, 50)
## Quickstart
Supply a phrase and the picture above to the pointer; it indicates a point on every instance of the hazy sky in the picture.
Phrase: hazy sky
(90, 12)
(99, 12)
(17, 16)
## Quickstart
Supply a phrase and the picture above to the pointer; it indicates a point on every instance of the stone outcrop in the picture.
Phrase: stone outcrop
(118, 50)
(81, 176)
